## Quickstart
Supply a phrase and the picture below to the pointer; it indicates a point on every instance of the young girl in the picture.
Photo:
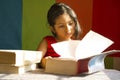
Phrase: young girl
(63, 25)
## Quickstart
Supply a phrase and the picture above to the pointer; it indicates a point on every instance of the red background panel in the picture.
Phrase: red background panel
(102, 16)
(106, 20)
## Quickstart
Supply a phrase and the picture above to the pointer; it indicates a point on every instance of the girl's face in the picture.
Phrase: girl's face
(64, 27)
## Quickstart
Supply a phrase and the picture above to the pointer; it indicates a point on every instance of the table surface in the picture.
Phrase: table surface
(107, 74)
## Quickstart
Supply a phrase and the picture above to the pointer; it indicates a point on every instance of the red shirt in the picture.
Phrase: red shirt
(50, 51)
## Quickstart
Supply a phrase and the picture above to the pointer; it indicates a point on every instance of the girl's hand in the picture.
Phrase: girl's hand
(44, 60)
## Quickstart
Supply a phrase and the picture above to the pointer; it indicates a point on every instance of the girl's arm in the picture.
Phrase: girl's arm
(42, 47)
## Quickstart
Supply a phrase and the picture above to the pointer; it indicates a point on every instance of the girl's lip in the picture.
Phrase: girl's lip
(68, 34)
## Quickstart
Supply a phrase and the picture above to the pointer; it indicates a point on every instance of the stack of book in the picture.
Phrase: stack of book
(19, 61)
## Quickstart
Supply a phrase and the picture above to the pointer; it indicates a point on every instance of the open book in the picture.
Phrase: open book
(91, 46)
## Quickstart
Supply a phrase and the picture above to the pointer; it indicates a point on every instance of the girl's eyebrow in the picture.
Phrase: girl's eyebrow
(59, 23)
(64, 22)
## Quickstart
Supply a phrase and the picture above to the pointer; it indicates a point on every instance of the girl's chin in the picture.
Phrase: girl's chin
(68, 38)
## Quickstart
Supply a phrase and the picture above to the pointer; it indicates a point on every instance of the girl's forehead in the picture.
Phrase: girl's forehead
(63, 18)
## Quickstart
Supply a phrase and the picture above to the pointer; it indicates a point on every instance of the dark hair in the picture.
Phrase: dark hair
(58, 9)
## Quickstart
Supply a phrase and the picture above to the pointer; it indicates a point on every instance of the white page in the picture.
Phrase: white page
(91, 45)
(66, 48)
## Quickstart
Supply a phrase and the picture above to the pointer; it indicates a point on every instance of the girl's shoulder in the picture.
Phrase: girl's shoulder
(50, 38)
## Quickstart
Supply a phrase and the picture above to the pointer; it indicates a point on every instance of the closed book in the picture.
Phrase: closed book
(20, 57)
(10, 68)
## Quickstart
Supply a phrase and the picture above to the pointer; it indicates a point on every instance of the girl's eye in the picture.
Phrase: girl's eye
(71, 23)
(61, 26)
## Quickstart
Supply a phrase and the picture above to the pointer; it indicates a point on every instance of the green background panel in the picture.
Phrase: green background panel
(34, 22)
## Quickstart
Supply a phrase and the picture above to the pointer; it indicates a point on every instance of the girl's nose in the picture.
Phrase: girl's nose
(68, 28)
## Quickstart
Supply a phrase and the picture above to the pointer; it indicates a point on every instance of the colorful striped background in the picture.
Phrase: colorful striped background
(23, 22)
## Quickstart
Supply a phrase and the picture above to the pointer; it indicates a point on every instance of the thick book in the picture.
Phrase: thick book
(70, 66)
(10, 68)
(78, 56)
(20, 57)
